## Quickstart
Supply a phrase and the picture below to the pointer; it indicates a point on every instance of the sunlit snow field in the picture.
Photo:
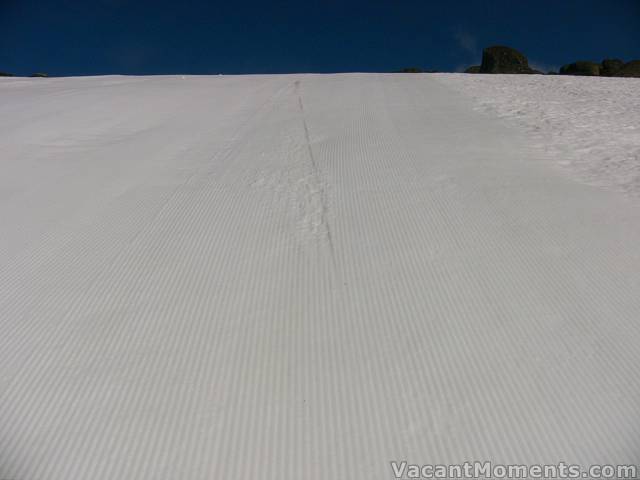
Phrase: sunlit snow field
(589, 125)
(312, 276)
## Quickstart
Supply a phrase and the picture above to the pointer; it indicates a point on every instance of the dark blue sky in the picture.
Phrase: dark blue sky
(88, 37)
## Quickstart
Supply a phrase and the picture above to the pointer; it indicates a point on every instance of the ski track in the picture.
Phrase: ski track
(302, 276)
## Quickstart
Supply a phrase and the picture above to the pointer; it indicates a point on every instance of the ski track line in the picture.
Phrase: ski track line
(366, 273)
(225, 152)
(534, 225)
(316, 175)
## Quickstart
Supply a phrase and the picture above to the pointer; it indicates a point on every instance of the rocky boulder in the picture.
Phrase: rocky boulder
(581, 68)
(610, 67)
(500, 59)
(630, 69)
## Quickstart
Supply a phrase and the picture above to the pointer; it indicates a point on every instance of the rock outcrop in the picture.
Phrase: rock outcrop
(501, 59)
(610, 67)
(591, 69)
(630, 69)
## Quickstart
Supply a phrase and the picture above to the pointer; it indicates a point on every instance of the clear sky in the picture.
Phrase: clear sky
(89, 37)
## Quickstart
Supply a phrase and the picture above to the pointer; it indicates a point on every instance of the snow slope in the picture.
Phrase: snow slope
(304, 276)
(590, 126)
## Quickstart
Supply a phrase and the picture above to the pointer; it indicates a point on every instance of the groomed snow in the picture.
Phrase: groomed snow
(311, 276)
(590, 126)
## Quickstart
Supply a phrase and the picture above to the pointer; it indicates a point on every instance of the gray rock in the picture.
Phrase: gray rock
(610, 67)
(500, 59)
(581, 68)
(630, 69)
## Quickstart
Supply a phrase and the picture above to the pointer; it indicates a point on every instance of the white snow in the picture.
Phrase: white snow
(591, 126)
(312, 276)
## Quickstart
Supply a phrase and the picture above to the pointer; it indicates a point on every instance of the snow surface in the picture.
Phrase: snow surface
(591, 126)
(310, 276)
